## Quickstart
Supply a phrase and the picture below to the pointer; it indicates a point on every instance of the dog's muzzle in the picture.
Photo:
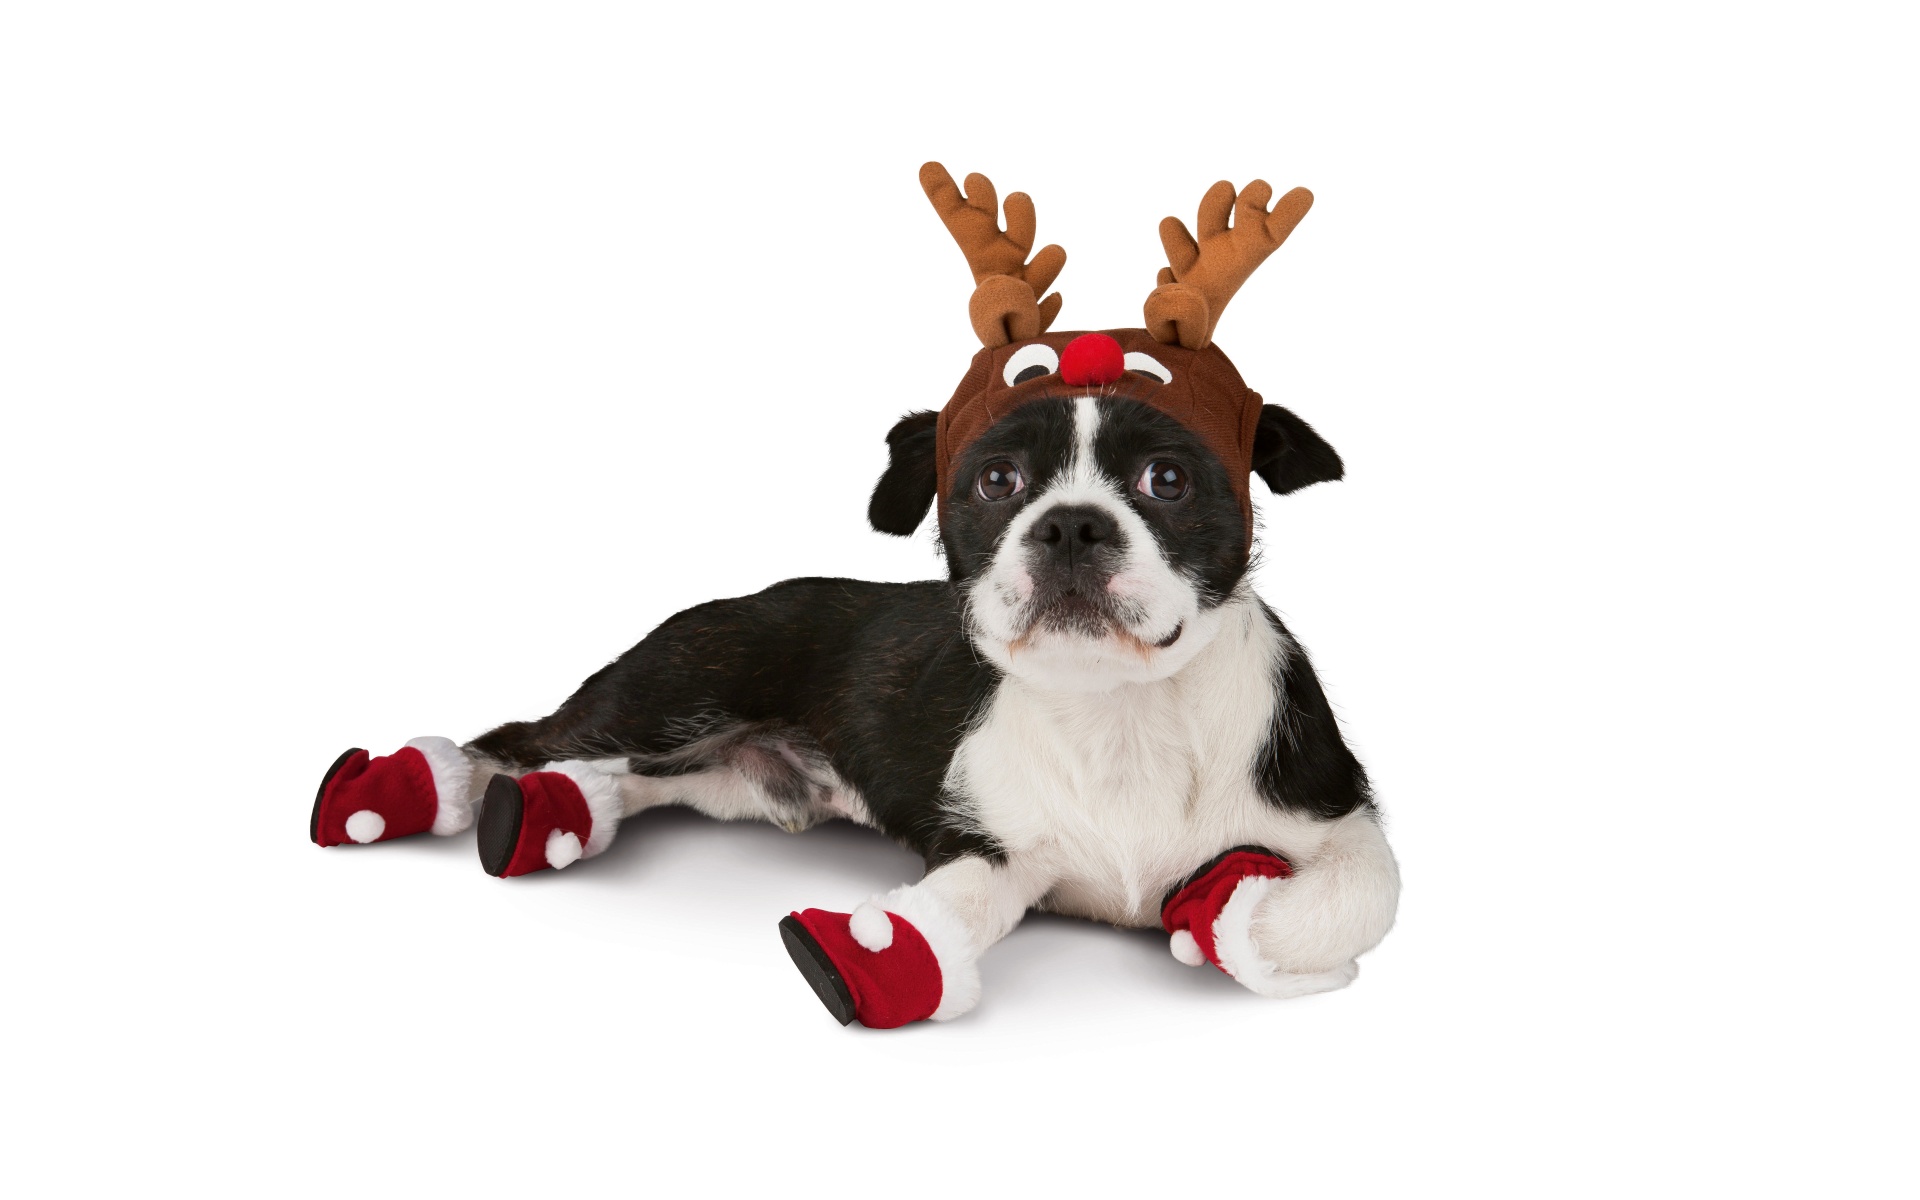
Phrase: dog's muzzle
(1073, 553)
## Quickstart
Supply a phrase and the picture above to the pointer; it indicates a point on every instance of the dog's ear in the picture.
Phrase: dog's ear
(905, 491)
(1289, 455)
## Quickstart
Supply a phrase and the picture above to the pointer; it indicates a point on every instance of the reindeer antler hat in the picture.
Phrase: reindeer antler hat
(1172, 364)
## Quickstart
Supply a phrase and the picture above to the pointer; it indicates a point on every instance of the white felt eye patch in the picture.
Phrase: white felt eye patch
(1147, 364)
(1031, 362)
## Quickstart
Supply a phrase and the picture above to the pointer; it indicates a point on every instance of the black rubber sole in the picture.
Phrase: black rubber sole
(313, 822)
(818, 969)
(501, 811)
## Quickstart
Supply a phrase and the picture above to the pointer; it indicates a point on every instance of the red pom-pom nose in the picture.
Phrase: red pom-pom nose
(1092, 360)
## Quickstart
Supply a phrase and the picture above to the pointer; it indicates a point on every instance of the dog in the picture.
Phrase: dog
(1092, 714)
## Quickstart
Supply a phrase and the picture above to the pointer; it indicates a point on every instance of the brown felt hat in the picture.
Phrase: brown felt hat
(1237, 232)
(1206, 395)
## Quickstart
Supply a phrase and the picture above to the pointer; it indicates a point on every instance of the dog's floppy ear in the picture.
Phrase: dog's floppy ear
(905, 491)
(1289, 455)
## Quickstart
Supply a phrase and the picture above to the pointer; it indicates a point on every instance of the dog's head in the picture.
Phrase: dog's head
(1093, 487)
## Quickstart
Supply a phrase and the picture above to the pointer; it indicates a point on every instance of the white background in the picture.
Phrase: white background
(381, 370)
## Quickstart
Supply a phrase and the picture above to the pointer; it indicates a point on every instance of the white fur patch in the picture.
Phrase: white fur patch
(1186, 949)
(1116, 796)
(366, 826)
(1338, 905)
(871, 927)
(1086, 424)
(563, 849)
(843, 801)
(726, 793)
(452, 783)
(1233, 945)
(602, 794)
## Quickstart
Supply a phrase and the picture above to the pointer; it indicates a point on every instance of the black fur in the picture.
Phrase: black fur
(1305, 765)
(876, 678)
(1204, 532)
(1288, 455)
(1037, 437)
(879, 681)
(905, 491)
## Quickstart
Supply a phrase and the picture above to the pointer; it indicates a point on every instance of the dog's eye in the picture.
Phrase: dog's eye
(1147, 364)
(1164, 481)
(1031, 362)
(999, 480)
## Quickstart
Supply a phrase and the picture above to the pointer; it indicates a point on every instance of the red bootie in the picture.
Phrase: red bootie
(421, 787)
(876, 966)
(551, 818)
(1211, 915)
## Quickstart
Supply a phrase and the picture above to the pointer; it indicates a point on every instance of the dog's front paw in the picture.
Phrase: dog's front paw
(1259, 974)
(896, 959)
(1211, 918)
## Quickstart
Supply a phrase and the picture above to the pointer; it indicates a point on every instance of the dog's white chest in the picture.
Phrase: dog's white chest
(1119, 795)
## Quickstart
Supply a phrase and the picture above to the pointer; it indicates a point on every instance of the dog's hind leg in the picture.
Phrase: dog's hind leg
(703, 712)
(734, 773)
(911, 954)
(430, 785)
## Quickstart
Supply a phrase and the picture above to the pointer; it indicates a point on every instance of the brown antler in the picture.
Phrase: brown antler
(1004, 307)
(1204, 275)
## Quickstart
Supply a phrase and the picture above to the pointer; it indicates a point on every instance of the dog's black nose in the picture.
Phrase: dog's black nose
(1072, 532)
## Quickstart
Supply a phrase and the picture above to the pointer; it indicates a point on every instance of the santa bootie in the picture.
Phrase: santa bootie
(551, 818)
(421, 787)
(1211, 915)
(876, 966)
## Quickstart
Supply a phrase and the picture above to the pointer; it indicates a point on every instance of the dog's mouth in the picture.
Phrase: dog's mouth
(1077, 614)
(1073, 612)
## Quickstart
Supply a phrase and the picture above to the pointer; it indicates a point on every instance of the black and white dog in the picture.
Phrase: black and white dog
(1085, 717)
(1005, 724)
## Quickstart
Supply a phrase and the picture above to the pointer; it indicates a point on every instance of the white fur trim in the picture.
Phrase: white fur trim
(563, 849)
(1233, 945)
(366, 826)
(602, 794)
(1186, 949)
(947, 936)
(871, 927)
(452, 783)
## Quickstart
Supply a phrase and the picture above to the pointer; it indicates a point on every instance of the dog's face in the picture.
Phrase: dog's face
(1095, 535)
